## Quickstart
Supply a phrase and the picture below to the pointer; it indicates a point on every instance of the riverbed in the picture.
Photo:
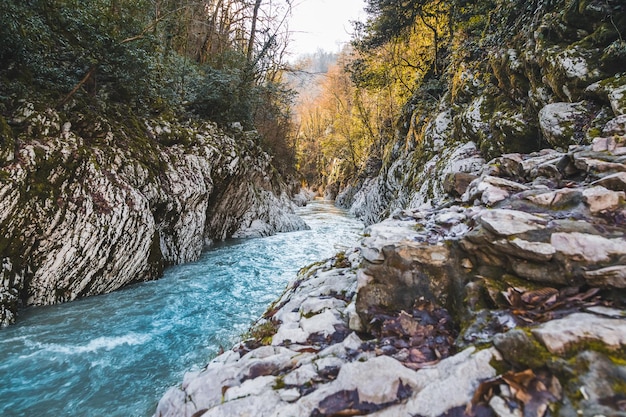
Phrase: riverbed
(116, 354)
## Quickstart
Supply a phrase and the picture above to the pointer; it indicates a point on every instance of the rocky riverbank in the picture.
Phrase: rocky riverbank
(507, 300)
(89, 206)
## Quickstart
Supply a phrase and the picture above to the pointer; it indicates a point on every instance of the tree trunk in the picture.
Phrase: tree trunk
(255, 15)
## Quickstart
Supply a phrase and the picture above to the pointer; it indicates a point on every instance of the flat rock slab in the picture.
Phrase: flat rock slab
(600, 199)
(534, 251)
(558, 335)
(612, 276)
(587, 247)
(615, 182)
(506, 222)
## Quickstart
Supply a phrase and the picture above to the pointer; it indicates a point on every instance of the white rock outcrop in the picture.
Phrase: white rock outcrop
(80, 219)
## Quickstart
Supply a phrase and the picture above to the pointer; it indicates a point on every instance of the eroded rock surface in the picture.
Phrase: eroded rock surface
(327, 368)
(476, 307)
(83, 216)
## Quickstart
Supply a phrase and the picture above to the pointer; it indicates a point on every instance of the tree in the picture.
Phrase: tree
(391, 20)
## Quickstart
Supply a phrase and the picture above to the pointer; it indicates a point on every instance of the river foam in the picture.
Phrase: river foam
(116, 354)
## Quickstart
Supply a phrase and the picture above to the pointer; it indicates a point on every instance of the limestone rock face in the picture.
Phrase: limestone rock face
(80, 219)
(550, 77)
(391, 328)
(327, 369)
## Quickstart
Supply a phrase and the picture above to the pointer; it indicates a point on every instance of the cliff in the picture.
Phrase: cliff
(91, 204)
(521, 77)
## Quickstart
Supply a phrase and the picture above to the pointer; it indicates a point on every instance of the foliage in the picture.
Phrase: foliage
(341, 126)
(394, 51)
(221, 95)
(50, 46)
(273, 120)
(214, 59)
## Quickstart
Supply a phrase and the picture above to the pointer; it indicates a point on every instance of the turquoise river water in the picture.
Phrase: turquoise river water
(116, 354)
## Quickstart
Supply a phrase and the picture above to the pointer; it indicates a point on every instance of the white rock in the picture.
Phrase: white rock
(329, 362)
(354, 321)
(447, 385)
(450, 218)
(558, 122)
(603, 144)
(321, 323)
(534, 250)
(492, 195)
(252, 406)
(301, 375)
(554, 198)
(292, 335)
(618, 103)
(607, 312)
(586, 247)
(314, 305)
(377, 380)
(491, 189)
(600, 199)
(289, 395)
(255, 386)
(506, 222)
(501, 408)
(557, 335)
(352, 342)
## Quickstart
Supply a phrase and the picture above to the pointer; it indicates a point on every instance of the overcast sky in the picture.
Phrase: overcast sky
(323, 24)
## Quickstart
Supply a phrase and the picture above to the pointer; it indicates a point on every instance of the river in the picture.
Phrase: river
(116, 354)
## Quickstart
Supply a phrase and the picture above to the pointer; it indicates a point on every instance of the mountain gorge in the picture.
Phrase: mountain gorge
(87, 215)
(490, 281)
(482, 143)
(113, 165)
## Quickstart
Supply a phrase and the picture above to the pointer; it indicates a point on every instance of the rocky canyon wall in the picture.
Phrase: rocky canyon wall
(532, 75)
(88, 206)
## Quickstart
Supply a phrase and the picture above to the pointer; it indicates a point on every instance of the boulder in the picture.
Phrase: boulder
(563, 124)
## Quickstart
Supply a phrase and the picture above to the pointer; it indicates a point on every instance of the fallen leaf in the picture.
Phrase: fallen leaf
(541, 295)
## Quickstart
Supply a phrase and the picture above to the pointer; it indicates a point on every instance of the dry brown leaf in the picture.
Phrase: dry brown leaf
(539, 296)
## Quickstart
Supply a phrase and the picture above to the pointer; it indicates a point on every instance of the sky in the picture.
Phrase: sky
(323, 24)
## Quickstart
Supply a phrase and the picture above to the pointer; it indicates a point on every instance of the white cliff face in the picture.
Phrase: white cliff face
(538, 89)
(416, 179)
(80, 219)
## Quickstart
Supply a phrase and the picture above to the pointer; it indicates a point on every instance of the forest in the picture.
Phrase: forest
(226, 61)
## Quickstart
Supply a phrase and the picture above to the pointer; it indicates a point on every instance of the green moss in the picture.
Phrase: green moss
(262, 333)
(341, 261)
(308, 315)
(279, 383)
(617, 355)
(538, 354)
(309, 269)
(501, 367)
